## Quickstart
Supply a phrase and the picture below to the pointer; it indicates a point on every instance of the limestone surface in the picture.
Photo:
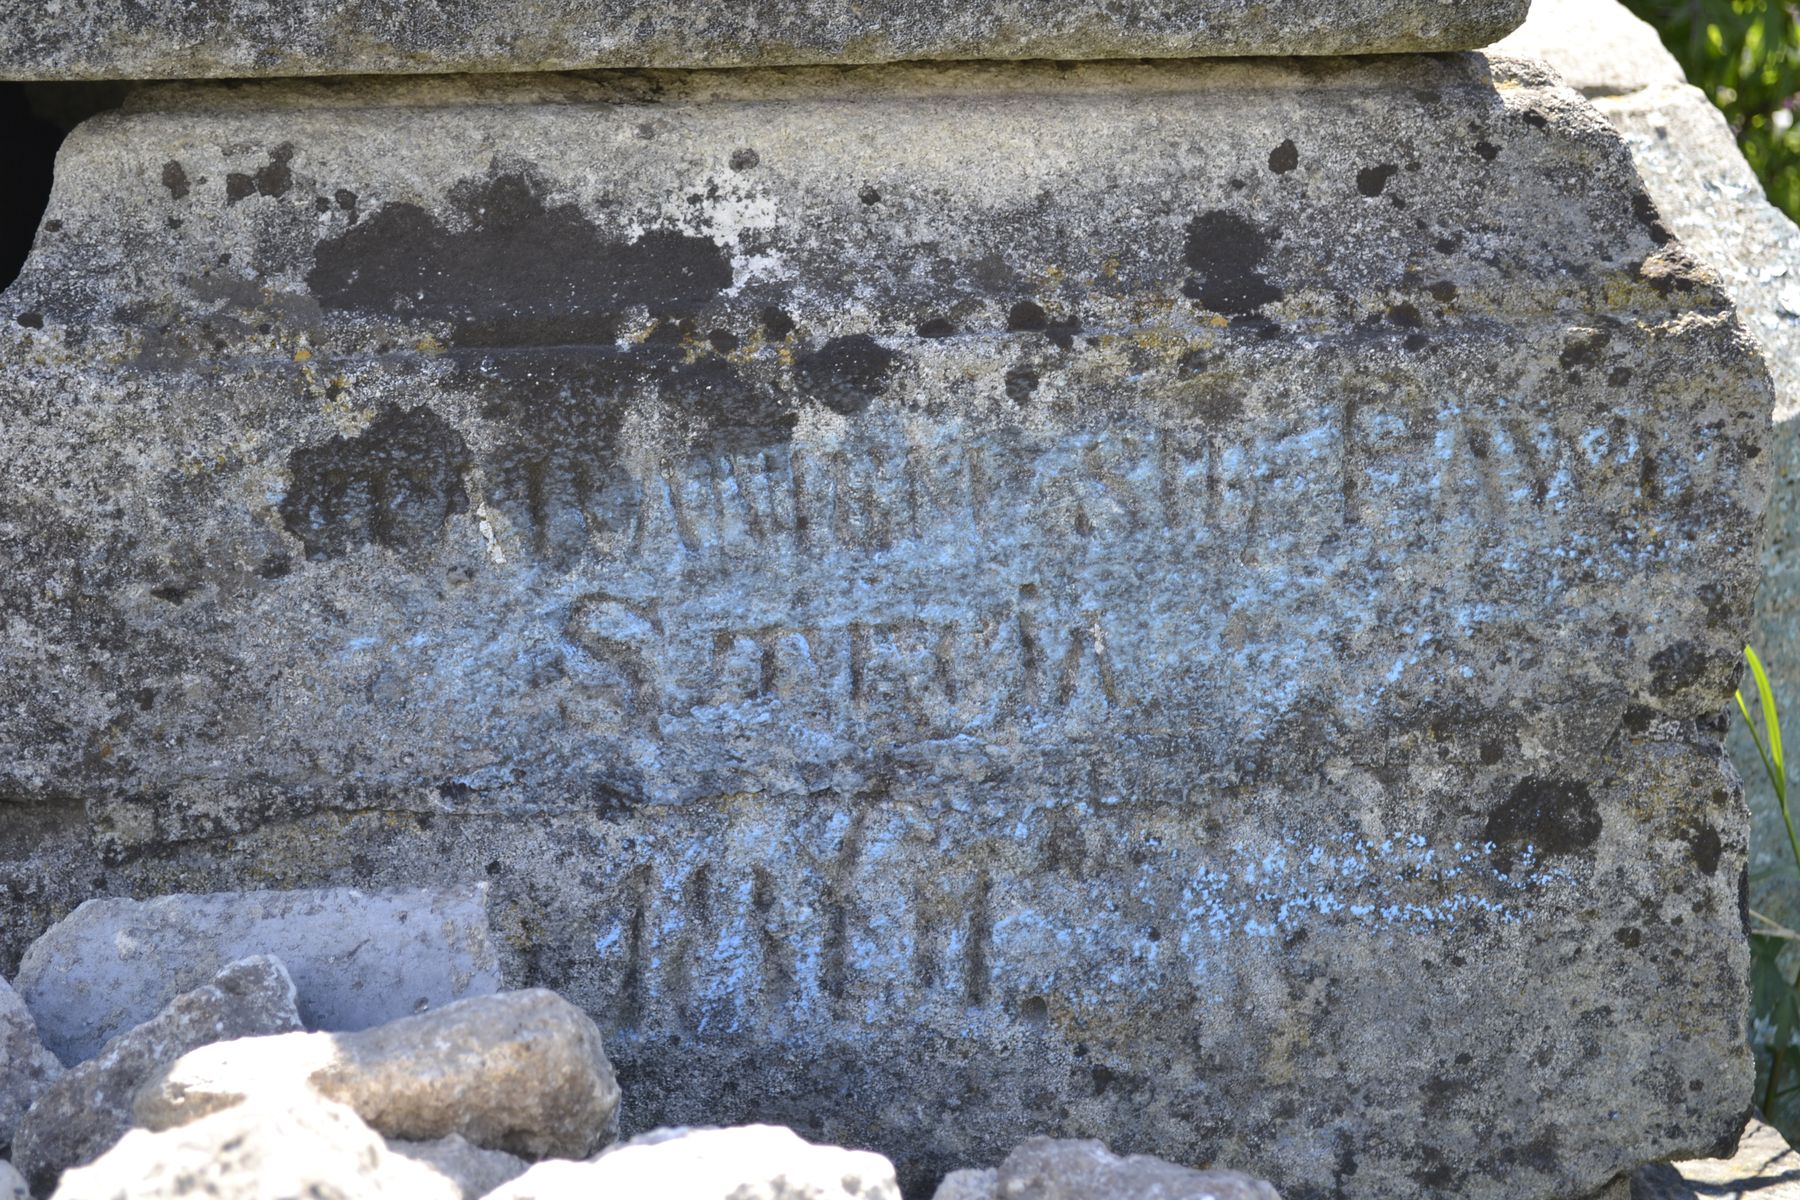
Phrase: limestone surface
(522, 1072)
(1183, 603)
(1047, 1169)
(26, 1066)
(280, 1151)
(1707, 195)
(84, 1113)
(357, 958)
(123, 39)
(754, 1162)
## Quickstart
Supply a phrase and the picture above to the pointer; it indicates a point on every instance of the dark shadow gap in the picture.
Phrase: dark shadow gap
(34, 119)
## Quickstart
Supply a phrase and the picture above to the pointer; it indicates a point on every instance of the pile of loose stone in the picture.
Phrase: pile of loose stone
(225, 1091)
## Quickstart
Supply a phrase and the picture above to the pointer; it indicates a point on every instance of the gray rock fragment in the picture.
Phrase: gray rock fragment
(117, 39)
(85, 1112)
(1047, 1169)
(523, 1072)
(754, 1162)
(312, 1150)
(474, 1170)
(26, 1067)
(357, 958)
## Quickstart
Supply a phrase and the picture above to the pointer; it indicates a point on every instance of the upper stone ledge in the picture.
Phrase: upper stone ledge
(213, 39)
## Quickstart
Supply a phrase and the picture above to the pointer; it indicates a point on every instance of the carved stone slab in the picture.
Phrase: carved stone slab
(131, 39)
(1188, 605)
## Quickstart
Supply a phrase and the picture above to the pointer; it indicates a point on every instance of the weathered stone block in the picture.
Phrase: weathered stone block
(121, 39)
(1708, 196)
(357, 958)
(1182, 604)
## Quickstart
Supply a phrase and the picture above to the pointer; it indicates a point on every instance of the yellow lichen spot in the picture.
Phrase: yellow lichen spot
(1217, 321)
(428, 345)
(302, 355)
(1109, 268)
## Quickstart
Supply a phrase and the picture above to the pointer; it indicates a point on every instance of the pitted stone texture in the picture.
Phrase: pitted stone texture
(26, 1067)
(357, 958)
(755, 1162)
(475, 1171)
(279, 1151)
(523, 1072)
(1132, 602)
(119, 39)
(1046, 1169)
(1707, 195)
(85, 1112)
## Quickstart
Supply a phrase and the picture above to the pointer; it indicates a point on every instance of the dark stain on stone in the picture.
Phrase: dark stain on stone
(869, 196)
(1536, 120)
(1027, 317)
(1552, 816)
(272, 179)
(394, 485)
(175, 178)
(1372, 181)
(1226, 253)
(1443, 291)
(1644, 209)
(1415, 342)
(30, 320)
(936, 327)
(1492, 752)
(846, 374)
(1284, 158)
(1630, 937)
(1021, 384)
(1707, 847)
(1405, 316)
(172, 593)
(777, 324)
(1676, 668)
(521, 260)
(1487, 150)
(723, 340)
(745, 160)
(1583, 348)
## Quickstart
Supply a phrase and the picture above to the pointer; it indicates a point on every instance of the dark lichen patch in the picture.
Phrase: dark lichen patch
(1644, 210)
(30, 320)
(777, 324)
(1546, 815)
(1707, 846)
(274, 178)
(1021, 384)
(521, 258)
(393, 485)
(1487, 150)
(846, 374)
(1226, 253)
(175, 178)
(1443, 291)
(1677, 668)
(1372, 181)
(869, 196)
(1284, 158)
(745, 160)
(936, 327)
(1027, 317)
(1584, 348)
(1406, 316)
